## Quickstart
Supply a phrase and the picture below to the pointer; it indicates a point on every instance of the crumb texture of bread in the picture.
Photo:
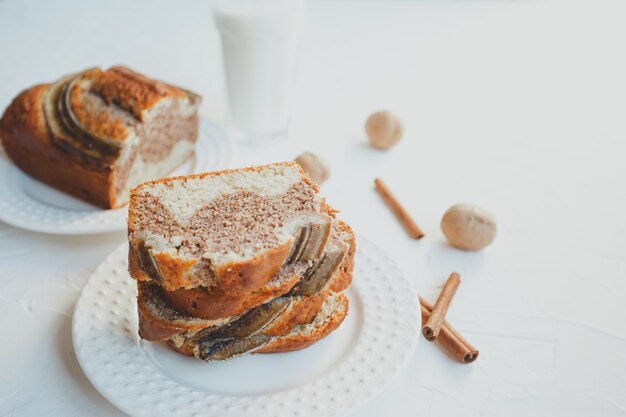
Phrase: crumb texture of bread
(232, 226)
(184, 196)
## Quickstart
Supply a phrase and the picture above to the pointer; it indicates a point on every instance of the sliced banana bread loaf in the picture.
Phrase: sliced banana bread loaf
(96, 134)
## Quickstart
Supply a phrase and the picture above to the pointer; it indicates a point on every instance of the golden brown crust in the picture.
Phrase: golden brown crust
(174, 271)
(256, 168)
(239, 278)
(152, 328)
(215, 303)
(132, 91)
(134, 268)
(344, 278)
(156, 327)
(234, 279)
(101, 124)
(26, 140)
(289, 342)
(302, 311)
(325, 208)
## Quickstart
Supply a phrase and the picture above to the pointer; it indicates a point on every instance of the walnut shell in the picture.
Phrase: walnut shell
(314, 166)
(468, 227)
(384, 129)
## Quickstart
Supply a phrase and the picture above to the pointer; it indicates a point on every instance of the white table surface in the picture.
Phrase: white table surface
(517, 106)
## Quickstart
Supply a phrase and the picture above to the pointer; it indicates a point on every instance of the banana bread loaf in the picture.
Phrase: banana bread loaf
(96, 134)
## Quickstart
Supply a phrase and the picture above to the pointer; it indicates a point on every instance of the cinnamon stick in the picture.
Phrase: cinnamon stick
(403, 216)
(450, 339)
(438, 314)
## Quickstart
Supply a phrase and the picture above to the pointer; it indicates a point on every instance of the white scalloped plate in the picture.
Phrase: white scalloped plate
(32, 205)
(146, 379)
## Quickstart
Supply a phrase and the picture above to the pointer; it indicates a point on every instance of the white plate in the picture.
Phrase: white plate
(29, 204)
(146, 379)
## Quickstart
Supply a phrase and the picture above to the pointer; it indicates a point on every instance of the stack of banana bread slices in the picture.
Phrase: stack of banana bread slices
(238, 261)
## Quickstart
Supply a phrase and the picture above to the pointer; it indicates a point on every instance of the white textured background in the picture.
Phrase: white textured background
(518, 106)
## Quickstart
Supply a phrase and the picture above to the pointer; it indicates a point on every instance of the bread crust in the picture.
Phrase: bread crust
(215, 303)
(27, 141)
(133, 91)
(256, 168)
(301, 311)
(239, 278)
(344, 278)
(155, 327)
(290, 343)
(234, 279)
(156, 330)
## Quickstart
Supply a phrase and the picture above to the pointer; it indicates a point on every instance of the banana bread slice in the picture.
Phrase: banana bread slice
(231, 230)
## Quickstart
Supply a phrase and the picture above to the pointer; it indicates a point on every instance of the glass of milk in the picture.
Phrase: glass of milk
(260, 40)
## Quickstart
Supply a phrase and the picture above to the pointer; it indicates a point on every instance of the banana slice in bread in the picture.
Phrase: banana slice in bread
(327, 318)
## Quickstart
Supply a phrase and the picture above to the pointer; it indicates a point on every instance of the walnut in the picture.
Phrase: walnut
(468, 227)
(314, 166)
(384, 129)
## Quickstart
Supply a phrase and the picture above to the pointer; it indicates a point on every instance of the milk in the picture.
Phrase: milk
(260, 40)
